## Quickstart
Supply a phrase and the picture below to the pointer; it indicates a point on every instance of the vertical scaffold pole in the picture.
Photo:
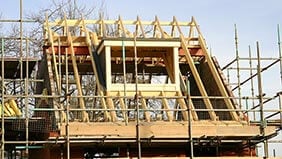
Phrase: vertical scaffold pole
(280, 54)
(189, 116)
(137, 100)
(21, 80)
(280, 107)
(238, 65)
(67, 105)
(124, 81)
(280, 59)
(2, 104)
(252, 81)
(262, 123)
(26, 98)
(228, 75)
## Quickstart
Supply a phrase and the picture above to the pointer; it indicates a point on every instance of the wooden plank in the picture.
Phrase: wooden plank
(194, 113)
(168, 130)
(176, 67)
(102, 29)
(107, 117)
(158, 44)
(158, 25)
(125, 32)
(165, 106)
(52, 88)
(225, 83)
(183, 105)
(50, 39)
(217, 79)
(139, 24)
(168, 60)
(144, 107)
(94, 41)
(181, 100)
(144, 87)
(77, 80)
(198, 79)
(111, 106)
(145, 94)
(73, 22)
(123, 107)
(195, 73)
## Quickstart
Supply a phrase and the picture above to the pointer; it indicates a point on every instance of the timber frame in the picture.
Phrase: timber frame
(132, 88)
(152, 83)
(167, 46)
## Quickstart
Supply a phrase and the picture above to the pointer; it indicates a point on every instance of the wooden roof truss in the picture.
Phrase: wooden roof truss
(73, 35)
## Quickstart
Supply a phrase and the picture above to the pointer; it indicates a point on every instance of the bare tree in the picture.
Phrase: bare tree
(57, 10)
(33, 33)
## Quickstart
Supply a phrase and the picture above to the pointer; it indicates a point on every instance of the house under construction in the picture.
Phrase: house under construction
(124, 89)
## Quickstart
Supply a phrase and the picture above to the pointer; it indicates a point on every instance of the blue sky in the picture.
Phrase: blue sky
(256, 21)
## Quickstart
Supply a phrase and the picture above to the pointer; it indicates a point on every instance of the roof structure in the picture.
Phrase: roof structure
(120, 88)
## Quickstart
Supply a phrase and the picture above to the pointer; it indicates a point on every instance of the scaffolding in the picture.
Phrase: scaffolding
(119, 88)
(263, 111)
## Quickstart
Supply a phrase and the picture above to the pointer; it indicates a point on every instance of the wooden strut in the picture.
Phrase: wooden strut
(51, 41)
(50, 73)
(216, 76)
(166, 107)
(196, 74)
(85, 116)
(144, 107)
(92, 41)
(57, 79)
(122, 105)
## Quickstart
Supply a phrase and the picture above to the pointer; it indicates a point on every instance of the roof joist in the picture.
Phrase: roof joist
(123, 28)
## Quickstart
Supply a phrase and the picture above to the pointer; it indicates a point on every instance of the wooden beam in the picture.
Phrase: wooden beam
(158, 25)
(77, 80)
(104, 106)
(198, 81)
(122, 106)
(217, 79)
(102, 29)
(190, 102)
(94, 41)
(74, 22)
(51, 41)
(52, 86)
(191, 30)
(165, 106)
(145, 94)
(169, 66)
(111, 106)
(162, 130)
(183, 106)
(139, 25)
(121, 27)
(144, 107)
(196, 74)
(184, 89)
